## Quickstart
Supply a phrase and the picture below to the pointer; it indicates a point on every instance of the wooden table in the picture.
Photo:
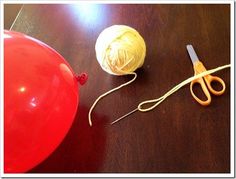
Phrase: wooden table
(179, 135)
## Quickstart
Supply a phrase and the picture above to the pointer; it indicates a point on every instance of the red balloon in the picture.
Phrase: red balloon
(41, 96)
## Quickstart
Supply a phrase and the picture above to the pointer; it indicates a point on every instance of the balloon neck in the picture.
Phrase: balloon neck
(82, 78)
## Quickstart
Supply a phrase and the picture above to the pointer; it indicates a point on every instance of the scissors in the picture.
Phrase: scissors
(205, 82)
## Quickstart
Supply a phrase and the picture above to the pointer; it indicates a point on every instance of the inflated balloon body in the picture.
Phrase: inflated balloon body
(40, 101)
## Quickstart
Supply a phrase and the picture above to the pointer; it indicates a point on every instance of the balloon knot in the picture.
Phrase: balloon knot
(82, 78)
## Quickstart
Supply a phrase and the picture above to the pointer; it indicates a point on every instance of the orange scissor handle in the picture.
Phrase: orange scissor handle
(209, 79)
(199, 68)
(205, 90)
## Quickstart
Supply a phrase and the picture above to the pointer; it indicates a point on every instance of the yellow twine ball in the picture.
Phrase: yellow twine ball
(120, 50)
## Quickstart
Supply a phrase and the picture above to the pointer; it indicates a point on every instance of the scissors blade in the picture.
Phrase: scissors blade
(192, 54)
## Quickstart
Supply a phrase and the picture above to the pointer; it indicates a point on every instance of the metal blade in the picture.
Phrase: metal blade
(192, 54)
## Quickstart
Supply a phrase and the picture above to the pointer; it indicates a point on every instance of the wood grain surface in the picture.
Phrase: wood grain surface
(179, 136)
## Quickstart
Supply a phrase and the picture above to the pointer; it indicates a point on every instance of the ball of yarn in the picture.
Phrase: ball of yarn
(120, 50)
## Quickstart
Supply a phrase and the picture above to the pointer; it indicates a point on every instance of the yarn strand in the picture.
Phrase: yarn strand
(158, 101)
(108, 92)
(176, 88)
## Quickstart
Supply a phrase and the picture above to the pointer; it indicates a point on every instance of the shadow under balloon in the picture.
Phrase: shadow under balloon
(83, 148)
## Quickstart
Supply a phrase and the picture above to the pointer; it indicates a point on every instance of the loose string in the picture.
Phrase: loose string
(108, 92)
(156, 101)
(176, 88)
